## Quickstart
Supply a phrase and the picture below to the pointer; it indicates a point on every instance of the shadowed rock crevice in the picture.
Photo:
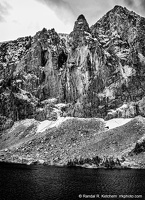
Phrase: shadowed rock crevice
(62, 58)
(43, 58)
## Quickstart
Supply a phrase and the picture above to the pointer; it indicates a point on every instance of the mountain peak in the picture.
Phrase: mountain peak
(119, 9)
(81, 17)
(81, 24)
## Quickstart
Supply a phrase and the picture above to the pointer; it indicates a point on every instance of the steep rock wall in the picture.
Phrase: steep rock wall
(107, 64)
(97, 71)
(30, 73)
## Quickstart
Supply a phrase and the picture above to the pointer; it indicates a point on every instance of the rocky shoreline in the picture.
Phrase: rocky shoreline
(37, 163)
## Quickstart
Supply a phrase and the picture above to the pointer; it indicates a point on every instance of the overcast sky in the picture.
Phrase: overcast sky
(25, 17)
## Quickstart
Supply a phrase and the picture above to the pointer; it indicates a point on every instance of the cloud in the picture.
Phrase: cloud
(4, 7)
(136, 5)
(62, 8)
(68, 10)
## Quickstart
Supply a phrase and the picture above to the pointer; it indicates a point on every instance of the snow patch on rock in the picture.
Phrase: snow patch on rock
(50, 124)
(116, 122)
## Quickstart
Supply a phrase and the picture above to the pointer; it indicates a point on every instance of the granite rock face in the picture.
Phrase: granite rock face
(96, 71)
(121, 34)
(30, 73)
(107, 66)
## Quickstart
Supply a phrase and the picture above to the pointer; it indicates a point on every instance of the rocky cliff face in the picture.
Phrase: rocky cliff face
(121, 34)
(109, 60)
(30, 73)
(96, 71)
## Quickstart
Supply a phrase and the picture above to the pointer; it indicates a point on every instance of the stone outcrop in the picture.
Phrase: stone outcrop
(30, 73)
(96, 71)
(121, 34)
(107, 66)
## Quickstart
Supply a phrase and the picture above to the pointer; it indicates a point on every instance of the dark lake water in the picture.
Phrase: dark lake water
(19, 182)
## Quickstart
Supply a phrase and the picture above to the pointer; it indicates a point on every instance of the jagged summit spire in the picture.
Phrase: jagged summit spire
(81, 17)
(81, 28)
(81, 24)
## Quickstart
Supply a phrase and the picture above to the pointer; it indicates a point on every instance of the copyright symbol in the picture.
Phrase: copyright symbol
(80, 196)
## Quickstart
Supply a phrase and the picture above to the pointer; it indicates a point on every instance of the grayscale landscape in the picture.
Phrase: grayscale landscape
(76, 99)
